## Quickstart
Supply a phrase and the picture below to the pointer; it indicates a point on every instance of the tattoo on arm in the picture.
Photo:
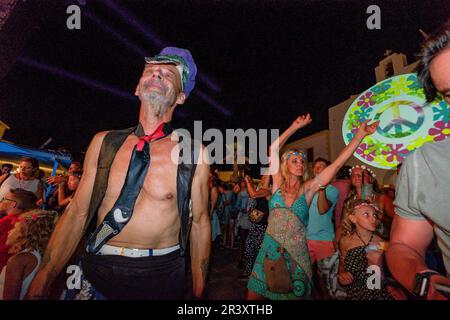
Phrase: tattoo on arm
(204, 267)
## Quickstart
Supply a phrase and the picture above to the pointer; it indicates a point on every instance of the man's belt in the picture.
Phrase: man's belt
(135, 253)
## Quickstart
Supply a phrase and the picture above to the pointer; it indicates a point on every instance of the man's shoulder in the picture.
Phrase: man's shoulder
(431, 158)
(429, 150)
(99, 136)
(436, 146)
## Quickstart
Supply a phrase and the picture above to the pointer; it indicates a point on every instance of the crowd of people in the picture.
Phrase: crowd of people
(30, 205)
(53, 192)
(340, 218)
(318, 231)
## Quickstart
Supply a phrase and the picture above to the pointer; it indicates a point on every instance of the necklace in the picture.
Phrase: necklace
(365, 244)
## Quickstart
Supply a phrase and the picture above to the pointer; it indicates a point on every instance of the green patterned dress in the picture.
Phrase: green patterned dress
(286, 228)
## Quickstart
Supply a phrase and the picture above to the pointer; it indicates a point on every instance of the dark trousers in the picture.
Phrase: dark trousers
(146, 278)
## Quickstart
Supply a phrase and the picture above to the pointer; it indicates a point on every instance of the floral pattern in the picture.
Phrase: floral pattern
(381, 149)
(381, 91)
(419, 142)
(397, 152)
(442, 112)
(400, 85)
(366, 100)
(363, 114)
(286, 229)
(351, 134)
(440, 131)
(364, 152)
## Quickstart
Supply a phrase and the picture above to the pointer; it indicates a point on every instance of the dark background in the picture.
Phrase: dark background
(272, 61)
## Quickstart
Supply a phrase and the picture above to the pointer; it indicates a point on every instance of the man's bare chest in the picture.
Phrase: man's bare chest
(160, 178)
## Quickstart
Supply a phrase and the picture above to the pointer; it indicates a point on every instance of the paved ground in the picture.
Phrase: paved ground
(223, 282)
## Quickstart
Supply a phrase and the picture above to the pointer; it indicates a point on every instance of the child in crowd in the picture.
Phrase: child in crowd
(63, 195)
(361, 253)
(27, 242)
(73, 181)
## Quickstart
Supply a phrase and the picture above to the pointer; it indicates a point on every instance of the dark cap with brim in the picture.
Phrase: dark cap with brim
(184, 62)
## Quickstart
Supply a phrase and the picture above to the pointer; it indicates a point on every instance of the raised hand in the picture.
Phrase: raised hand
(301, 121)
(55, 180)
(366, 129)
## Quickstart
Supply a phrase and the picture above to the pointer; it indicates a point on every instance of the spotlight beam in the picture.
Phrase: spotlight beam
(150, 35)
(141, 52)
(104, 26)
(84, 80)
(212, 102)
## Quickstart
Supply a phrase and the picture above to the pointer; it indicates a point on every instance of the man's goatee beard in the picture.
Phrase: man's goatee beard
(160, 104)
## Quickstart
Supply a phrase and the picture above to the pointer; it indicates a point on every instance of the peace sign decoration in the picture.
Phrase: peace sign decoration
(406, 122)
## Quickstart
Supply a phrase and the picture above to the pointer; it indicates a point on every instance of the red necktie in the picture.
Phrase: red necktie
(158, 133)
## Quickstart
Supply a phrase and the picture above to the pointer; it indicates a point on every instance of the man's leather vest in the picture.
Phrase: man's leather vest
(185, 173)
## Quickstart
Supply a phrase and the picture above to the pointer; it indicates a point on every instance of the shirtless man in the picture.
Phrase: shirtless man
(143, 260)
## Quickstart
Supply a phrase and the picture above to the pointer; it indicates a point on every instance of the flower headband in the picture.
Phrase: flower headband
(367, 204)
(296, 153)
(372, 174)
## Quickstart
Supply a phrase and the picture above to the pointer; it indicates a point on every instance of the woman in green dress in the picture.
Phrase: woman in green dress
(282, 269)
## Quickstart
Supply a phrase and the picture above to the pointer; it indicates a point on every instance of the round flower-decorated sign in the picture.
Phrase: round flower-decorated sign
(406, 121)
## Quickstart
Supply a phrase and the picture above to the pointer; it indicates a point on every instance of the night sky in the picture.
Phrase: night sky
(266, 61)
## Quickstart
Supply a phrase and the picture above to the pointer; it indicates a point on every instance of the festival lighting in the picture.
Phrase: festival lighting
(84, 80)
(104, 26)
(150, 35)
(141, 52)
(212, 102)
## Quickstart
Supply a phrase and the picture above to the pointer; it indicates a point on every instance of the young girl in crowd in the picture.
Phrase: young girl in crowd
(27, 242)
(360, 248)
(360, 176)
(64, 197)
